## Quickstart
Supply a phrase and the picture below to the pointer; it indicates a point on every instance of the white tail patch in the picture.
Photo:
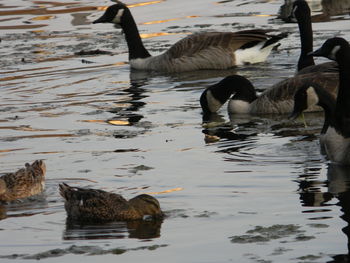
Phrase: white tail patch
(312, 97)
(117, 18)
(253, 54)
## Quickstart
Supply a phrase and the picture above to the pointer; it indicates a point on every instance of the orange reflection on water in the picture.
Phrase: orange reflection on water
(166, 191)
(42, 18)
(103, 8)
(12, 150)
(113, 122)
(166, 20)
(159, 34)
(146, 3)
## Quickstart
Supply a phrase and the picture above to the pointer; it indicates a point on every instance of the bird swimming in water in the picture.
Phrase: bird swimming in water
(93, 205)
(23, 183)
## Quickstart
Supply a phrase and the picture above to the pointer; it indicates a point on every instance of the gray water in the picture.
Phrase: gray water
(241, 189)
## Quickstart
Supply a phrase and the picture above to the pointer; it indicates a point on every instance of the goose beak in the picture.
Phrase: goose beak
(102, 19)
(317, 53)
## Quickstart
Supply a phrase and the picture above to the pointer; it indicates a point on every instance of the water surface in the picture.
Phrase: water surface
(250, 189)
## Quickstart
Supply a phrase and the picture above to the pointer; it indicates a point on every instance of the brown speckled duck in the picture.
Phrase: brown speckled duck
(94, 205)
(25, 182)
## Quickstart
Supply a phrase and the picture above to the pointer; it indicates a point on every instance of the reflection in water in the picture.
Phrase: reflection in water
(327, 8)
(338, 183)
(140, 229)
(135, 94)
(30, 206)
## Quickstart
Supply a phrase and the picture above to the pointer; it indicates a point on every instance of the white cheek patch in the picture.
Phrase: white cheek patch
(312, 98)
(213, 104)
(334, 52)
(117, 18)
(294, 10)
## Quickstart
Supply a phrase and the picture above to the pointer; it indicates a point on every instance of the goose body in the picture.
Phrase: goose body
(211, 50)
(335, 134)
(278, 99)
(23, 183)
(306, 64)
(92, 205)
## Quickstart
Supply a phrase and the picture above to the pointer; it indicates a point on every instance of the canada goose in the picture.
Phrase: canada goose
(212, 50)
(306, 63)
(92, 205)
(23, 183)
(278, 99)
(336, 129)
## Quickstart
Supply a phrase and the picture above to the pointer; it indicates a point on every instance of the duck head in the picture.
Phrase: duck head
(146, 205)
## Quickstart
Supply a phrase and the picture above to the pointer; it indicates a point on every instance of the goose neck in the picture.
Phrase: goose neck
(133, 38)
(306, 39)
(342, 111)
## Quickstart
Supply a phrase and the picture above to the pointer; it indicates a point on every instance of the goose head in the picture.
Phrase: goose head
(114, 14)
(332, 49)
(305, 97)
(216, 95)
(300, 11)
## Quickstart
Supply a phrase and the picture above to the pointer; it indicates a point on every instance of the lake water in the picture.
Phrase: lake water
(248, 189)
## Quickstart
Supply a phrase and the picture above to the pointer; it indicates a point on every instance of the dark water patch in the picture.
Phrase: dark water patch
(280, 251)
(265, 234)
(92, 52)
(318, 225)
(311, 258)
(140, 168)
(80, 250)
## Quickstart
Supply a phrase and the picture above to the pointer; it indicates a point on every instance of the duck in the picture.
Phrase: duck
(94, 205)
(25, 182)
(278, 99)
(335, 134)
(306, 64)
(209, 50)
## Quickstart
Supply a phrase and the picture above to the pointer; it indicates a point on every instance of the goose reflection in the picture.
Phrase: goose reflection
(135, 93)
(338, 187)
(140, 229)
(324, 8)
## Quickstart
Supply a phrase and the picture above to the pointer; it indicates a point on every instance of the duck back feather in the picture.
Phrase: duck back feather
(93, 205)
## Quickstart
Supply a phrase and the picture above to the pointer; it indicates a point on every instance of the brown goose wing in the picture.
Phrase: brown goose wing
(286, 89)
(226, 40)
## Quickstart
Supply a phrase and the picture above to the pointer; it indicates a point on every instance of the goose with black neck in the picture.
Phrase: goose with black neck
(211, 50)
(335, 135)
(306, 64)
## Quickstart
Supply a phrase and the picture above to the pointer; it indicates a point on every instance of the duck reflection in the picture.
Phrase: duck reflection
(338, 185)
(326, 8)
(140, 229)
